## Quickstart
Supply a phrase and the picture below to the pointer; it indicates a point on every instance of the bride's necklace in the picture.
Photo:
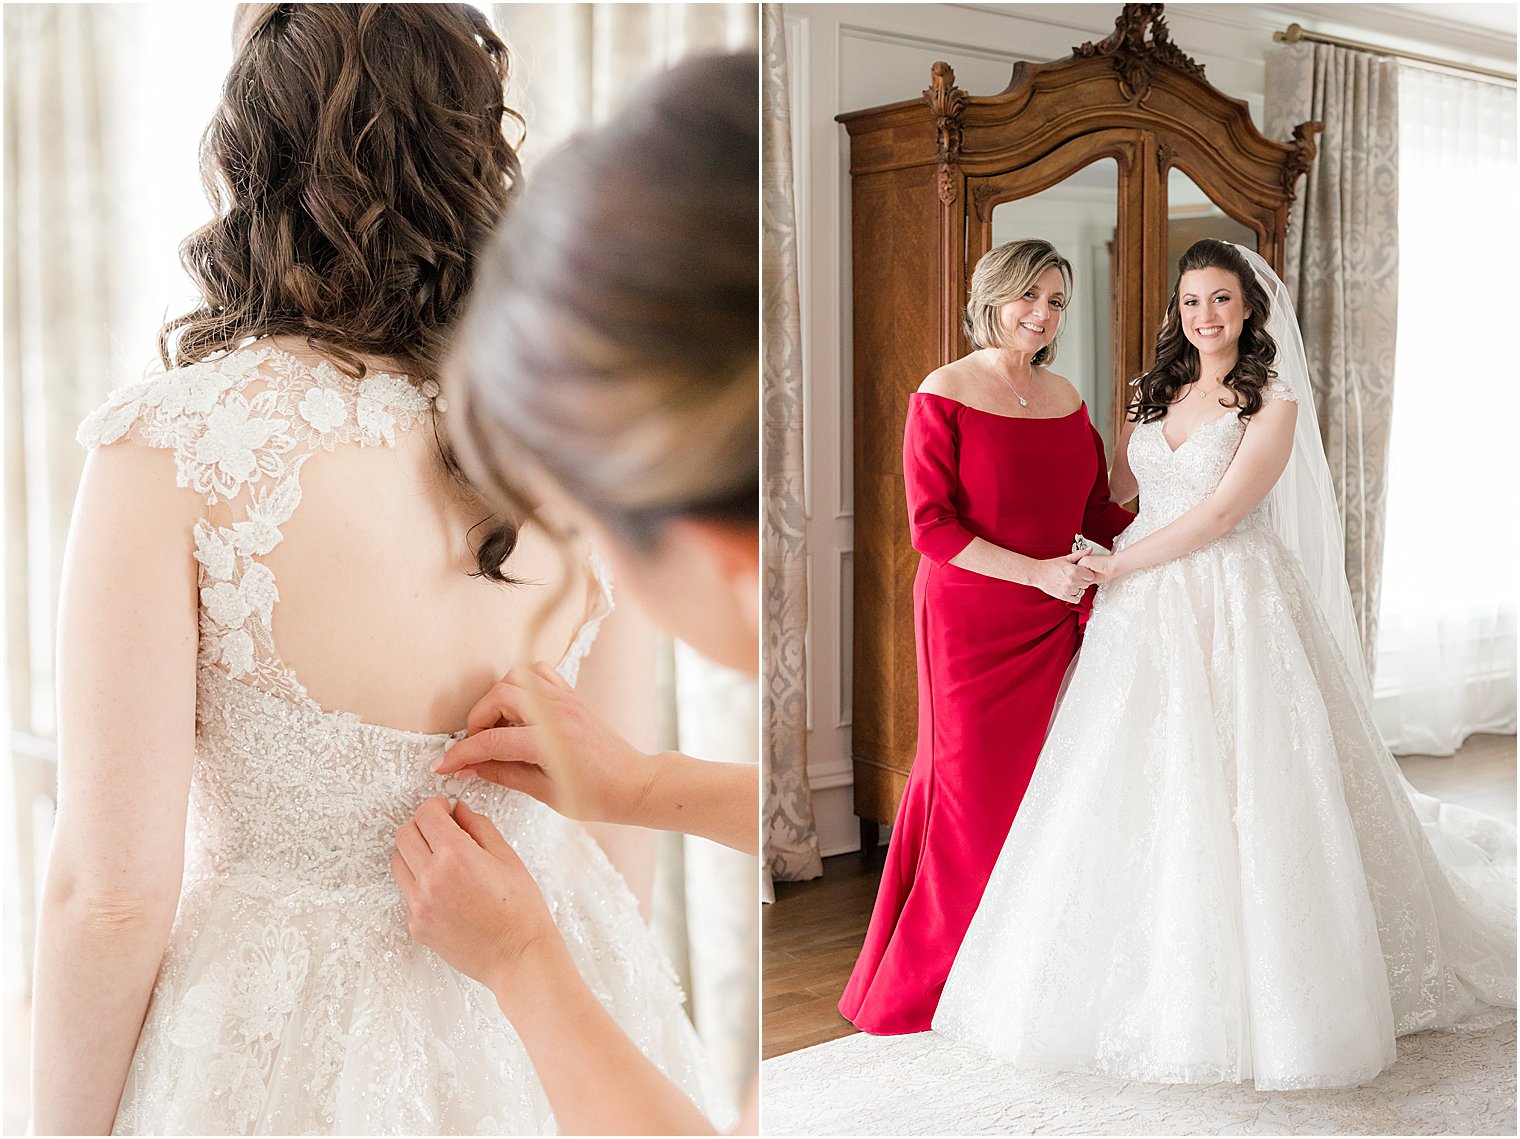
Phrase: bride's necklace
(999, 373)
(1219, 386)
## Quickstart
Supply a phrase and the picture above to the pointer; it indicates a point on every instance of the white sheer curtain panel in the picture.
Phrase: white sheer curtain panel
(574, 64)
(1446, 646)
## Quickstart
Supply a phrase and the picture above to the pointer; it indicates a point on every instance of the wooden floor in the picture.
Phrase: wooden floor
(813, 930)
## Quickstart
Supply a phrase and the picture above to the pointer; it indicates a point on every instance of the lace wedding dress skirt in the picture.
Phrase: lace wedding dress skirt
(291, 998)
(1218, 872)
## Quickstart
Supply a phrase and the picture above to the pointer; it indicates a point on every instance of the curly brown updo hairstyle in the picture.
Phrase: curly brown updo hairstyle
(612, 343)
(1176, 360)
(356, 165)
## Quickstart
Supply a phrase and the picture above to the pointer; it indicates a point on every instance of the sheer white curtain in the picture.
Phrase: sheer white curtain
(574, 64)
(1446, 643)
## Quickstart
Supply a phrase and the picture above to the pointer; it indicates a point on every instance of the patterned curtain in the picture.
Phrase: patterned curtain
(1342, 269)
(791, 842)
(573, 67)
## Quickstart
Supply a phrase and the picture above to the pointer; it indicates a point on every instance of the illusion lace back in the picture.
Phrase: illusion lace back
(1217, 873)
(291, 998)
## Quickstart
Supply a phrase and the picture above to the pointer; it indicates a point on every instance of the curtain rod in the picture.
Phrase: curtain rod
(1295, 33)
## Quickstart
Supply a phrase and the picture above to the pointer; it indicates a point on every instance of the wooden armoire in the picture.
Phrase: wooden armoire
(926, 175)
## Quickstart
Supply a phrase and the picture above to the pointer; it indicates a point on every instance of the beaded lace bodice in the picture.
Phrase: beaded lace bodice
(291, 998)
(1173, 482)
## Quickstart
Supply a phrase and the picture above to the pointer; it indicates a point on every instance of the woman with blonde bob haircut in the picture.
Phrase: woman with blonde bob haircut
(1002, 467)
(1005, 274)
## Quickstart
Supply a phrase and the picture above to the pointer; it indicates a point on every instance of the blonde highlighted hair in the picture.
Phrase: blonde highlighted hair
(1005, 273)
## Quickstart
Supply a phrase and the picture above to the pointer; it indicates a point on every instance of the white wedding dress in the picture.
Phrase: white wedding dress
(1218, 872)
(291, 999)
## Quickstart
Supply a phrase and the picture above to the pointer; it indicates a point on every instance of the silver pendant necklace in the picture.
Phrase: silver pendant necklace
(1022, 401)
(1220, 386)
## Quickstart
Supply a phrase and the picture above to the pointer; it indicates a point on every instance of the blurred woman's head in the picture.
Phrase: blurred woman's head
(609, 361)
(357, 164)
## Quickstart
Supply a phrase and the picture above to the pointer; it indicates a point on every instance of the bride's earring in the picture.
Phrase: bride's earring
(430, 390)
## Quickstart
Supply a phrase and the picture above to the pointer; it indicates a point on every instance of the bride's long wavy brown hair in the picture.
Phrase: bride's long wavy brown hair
(1176, 360)
(356, 165)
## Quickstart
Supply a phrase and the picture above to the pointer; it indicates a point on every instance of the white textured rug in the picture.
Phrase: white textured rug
(1444, 1083)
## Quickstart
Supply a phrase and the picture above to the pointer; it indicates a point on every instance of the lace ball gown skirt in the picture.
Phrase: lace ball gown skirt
(1217, 873)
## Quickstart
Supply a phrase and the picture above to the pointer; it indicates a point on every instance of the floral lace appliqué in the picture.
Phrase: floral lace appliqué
(241, 428)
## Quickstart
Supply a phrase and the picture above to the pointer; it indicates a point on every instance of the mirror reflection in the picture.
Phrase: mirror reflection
(1079, 217)
(1191, 215)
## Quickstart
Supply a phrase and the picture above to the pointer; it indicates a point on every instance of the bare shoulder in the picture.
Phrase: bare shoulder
(1060, 383)
(137, 479)
(131, 514)
(1277, 409)
(1062, 390)
(956, 380)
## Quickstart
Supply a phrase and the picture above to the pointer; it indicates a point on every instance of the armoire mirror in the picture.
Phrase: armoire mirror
(1191, 215)
(1123, 154)
(1080, 216)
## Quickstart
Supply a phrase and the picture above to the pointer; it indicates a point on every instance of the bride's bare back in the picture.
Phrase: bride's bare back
(382, 612)
(334, 552)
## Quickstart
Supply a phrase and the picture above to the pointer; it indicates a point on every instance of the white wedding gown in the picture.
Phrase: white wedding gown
(291, 999)
(1218, 872)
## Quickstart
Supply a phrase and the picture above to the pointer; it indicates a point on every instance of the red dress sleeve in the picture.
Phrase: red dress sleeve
(1103, 520)
(930, 445)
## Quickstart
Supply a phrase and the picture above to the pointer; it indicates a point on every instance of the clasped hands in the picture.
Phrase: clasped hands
(1067, 577)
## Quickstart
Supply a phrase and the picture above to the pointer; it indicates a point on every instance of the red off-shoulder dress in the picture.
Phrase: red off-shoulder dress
(991, 658)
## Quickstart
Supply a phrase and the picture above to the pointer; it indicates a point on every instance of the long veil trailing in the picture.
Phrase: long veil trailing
(1303, 509)
(1302, 506)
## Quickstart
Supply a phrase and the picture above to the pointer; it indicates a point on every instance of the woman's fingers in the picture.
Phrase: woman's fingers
(516, 697)
(412, 846)
(403, 875)
(548, 672)
(435, 823)
(502, 704)
(493, 745)
(523, 777)
(484, 832)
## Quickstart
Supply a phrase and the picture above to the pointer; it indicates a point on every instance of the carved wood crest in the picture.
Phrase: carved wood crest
(982, 195)
(1137, 58)
(1304, 150)
(947, 103)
